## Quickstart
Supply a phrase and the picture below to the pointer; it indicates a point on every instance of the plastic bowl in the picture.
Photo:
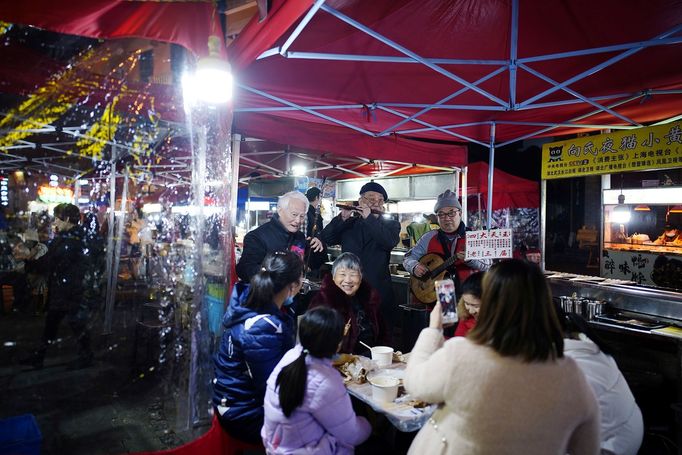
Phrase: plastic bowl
(382, 355)
(384, 388)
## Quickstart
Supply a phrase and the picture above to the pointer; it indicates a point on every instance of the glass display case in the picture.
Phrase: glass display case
(643, 236)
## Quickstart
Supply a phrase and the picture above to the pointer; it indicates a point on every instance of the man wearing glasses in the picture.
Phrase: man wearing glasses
(371, 237)
(447, 241)
(281, 233)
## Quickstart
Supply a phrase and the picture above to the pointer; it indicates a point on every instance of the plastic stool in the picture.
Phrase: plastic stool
(214, 441)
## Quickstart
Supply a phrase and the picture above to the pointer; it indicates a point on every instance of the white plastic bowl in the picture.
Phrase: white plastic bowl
(382, 355)
(384, 388)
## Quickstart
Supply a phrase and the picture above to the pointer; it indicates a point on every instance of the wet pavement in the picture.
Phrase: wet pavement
(117, 405)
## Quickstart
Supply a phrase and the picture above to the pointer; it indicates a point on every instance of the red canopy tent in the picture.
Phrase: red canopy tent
(415, 80)
(509, 192)
(382, 77)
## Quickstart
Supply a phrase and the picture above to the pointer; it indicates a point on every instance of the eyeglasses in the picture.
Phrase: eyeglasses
(450, 214)
(373, 201)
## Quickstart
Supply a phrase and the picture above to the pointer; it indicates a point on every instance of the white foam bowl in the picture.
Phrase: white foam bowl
(382, 355)
(384, 388)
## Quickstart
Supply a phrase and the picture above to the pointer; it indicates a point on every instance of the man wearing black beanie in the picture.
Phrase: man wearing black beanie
(371, 236)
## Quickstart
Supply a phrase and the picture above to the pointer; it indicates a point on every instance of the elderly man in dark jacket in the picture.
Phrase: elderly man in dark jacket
(281, 233)
(371, 237)
(64, 266)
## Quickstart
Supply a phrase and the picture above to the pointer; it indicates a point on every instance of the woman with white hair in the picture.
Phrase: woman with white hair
(281, 233)
(359, 304)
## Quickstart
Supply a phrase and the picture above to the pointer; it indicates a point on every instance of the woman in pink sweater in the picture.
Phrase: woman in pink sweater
(506, 388)
(307, 407)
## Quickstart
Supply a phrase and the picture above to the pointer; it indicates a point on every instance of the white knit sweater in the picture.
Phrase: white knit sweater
(499, 405)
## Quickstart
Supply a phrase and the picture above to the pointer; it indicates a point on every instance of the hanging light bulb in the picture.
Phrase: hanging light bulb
(212, 81)
(298, 170)
(621, 212)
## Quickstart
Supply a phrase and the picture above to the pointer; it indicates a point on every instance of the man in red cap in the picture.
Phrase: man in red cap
(371, 236)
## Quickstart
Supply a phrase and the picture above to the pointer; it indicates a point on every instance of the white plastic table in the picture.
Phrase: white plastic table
(404, 417)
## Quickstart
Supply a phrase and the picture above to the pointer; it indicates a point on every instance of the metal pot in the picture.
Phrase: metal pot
(594, 309)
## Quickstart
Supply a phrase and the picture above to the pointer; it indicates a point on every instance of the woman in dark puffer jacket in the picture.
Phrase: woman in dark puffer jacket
(259, 329)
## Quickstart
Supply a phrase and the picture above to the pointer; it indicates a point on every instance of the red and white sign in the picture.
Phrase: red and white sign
(494, 244)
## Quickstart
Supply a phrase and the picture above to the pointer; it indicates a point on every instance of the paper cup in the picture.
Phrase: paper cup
(382, 355)
(384, 388)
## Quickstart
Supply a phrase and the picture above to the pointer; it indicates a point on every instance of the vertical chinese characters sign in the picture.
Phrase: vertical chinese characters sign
(653, 147)
(495, 244)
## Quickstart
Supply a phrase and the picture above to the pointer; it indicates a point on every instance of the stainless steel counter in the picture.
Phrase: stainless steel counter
(646, 302)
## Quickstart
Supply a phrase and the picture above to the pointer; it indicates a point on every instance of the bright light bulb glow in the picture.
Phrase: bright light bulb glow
(620, 215)
(298, 170)
(212, 83)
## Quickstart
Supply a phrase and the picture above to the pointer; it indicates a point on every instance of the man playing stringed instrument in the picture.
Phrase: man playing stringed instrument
(441, 252)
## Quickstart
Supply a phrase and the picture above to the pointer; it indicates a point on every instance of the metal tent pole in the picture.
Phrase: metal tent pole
(491, 169)
(109, 302)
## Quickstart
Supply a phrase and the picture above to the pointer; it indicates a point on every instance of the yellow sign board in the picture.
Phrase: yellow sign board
(641, 149)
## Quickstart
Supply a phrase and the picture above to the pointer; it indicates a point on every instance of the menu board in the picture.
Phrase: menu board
(493, 244)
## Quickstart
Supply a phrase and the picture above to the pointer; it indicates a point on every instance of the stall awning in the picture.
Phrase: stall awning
(510, 191)
(383, 75)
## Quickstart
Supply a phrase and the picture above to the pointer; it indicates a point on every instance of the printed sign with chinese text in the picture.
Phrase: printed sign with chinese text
(653, 147)
(493, 244)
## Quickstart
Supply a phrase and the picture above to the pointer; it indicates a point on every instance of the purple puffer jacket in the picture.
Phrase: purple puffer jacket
(324, 424)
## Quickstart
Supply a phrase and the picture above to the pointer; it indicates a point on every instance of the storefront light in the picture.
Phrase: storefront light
(621, 213)
(151, 208)
(649, 196)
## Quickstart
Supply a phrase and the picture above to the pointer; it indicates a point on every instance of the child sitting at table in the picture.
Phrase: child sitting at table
(306, 404)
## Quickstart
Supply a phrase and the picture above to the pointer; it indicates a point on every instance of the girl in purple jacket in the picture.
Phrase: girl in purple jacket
(307, 408)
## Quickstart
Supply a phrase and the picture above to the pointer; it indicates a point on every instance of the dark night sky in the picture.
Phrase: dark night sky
(522, 162)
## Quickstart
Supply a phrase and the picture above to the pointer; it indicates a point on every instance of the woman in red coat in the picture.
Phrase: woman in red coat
(469, 304)
(346, 292)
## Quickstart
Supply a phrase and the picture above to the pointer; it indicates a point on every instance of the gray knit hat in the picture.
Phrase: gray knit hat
(447, 199)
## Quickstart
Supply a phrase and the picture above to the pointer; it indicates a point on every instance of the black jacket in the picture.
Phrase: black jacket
(315, 260)
(267, 238)
(64, 265)
(372, 240)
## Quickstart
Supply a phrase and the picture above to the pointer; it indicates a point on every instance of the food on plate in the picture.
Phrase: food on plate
(417, 403)
(343, 358)
(352, 369)
(398, 357)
